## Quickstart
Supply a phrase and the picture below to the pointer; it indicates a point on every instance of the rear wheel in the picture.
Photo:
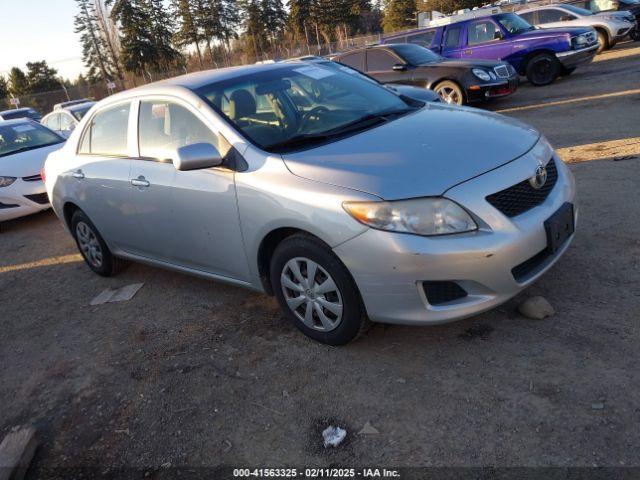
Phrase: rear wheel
(450, 92)
(603, 41)
(316, 291)
(92, 246)
(542, 69)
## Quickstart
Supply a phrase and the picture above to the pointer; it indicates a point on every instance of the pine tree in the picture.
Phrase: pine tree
(93, 45)
(299, 15)
(18, 83)
(399, 14)
(159, 27)
(254, 29)
(41, 77)
(188, 32)
(137, 50)
(4, 87)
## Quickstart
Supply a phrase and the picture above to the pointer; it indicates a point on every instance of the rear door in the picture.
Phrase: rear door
(101, 182)
(185, 218)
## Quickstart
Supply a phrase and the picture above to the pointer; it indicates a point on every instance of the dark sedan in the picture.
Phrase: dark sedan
(456, 81)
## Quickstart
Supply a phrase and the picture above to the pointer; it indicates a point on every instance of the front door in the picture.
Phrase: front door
(188, 219)
(452, 41)
(485, 39)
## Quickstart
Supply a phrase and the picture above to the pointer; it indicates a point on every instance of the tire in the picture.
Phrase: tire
(450, 92)
(635, 34)
(92, 247)
(567, 71)
(603, 42)
(306, 304)
(542, 69)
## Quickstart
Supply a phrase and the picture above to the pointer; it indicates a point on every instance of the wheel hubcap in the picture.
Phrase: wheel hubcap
(89, 245)
(311, 294)
(449, 95)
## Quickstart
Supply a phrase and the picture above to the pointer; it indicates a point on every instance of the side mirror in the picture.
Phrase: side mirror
(498, 35)
(197, 156)
(399, 67)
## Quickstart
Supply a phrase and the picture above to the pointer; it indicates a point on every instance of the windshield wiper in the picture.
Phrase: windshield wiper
(359, 124)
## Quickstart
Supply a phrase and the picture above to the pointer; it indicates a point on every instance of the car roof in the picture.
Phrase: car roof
(14, 110)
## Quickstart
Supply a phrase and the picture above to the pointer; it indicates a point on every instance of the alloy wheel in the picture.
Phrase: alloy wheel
(89, 244)
(449, 95)
(311, 294)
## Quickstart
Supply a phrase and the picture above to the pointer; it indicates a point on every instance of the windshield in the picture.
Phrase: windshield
(80, 112)
(19, 137)
(578, 10)
(298, 105)
(415, 54)
(513, 23)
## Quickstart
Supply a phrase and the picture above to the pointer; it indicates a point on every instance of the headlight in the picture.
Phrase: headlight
(581, 40)
(420, 216)
(481, 74)
(6, 181)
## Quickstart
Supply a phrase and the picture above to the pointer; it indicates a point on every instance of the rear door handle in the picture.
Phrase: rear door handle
(140, 182)
(78, 174)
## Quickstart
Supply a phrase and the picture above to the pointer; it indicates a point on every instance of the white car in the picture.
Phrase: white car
(24, 147)
(66, 116)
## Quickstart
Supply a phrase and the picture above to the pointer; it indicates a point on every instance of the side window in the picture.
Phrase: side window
(423, 39)
(164, 127)
(452, 37)
(66, 122)
(53, 122)
(379, 60)
(529, 17)
(353, 60)
(481, 32)
(549, 15)
(107, 132)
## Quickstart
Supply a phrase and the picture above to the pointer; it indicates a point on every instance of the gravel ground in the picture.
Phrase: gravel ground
(195, 373)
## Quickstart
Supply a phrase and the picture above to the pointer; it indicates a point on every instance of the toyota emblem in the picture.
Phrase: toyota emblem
(540, 178)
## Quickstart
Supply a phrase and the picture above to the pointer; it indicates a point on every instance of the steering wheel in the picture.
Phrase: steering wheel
(314, 112)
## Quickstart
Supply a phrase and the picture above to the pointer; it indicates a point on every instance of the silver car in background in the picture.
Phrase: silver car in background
(65, 116)
(321, 187)
(610, 26)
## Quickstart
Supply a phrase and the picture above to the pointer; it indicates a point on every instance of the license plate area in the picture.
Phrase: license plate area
(559, 227)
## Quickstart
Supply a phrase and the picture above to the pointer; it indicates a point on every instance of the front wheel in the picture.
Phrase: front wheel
(542, 69)
(635, 34)
(316, 291)
(450, 92)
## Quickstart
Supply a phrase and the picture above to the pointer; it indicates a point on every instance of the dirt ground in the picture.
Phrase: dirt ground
(194, 373)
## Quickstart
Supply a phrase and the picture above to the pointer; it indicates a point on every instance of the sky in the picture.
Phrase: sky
(33, 30)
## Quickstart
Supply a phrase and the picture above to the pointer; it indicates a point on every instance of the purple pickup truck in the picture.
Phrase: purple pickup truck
(540, 54)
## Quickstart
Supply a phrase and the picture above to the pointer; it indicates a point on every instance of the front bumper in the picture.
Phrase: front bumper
(390, 268)
(15, 201)
(497, 89)
(573, 58)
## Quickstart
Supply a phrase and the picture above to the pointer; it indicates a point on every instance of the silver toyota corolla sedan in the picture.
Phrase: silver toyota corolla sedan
(342, 199)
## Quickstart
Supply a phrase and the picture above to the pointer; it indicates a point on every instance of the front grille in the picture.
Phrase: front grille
(502, 71)
(40, 198)
(522, 197)
(33, 178)
(522, 271)
(442, 292)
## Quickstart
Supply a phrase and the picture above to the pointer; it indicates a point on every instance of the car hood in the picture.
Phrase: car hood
(421, 154)
(553, 32)
(621, 14)
(25, 164)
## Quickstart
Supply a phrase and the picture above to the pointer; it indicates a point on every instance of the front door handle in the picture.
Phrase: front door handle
(78, 174)
(468, 52)
(140, 182)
